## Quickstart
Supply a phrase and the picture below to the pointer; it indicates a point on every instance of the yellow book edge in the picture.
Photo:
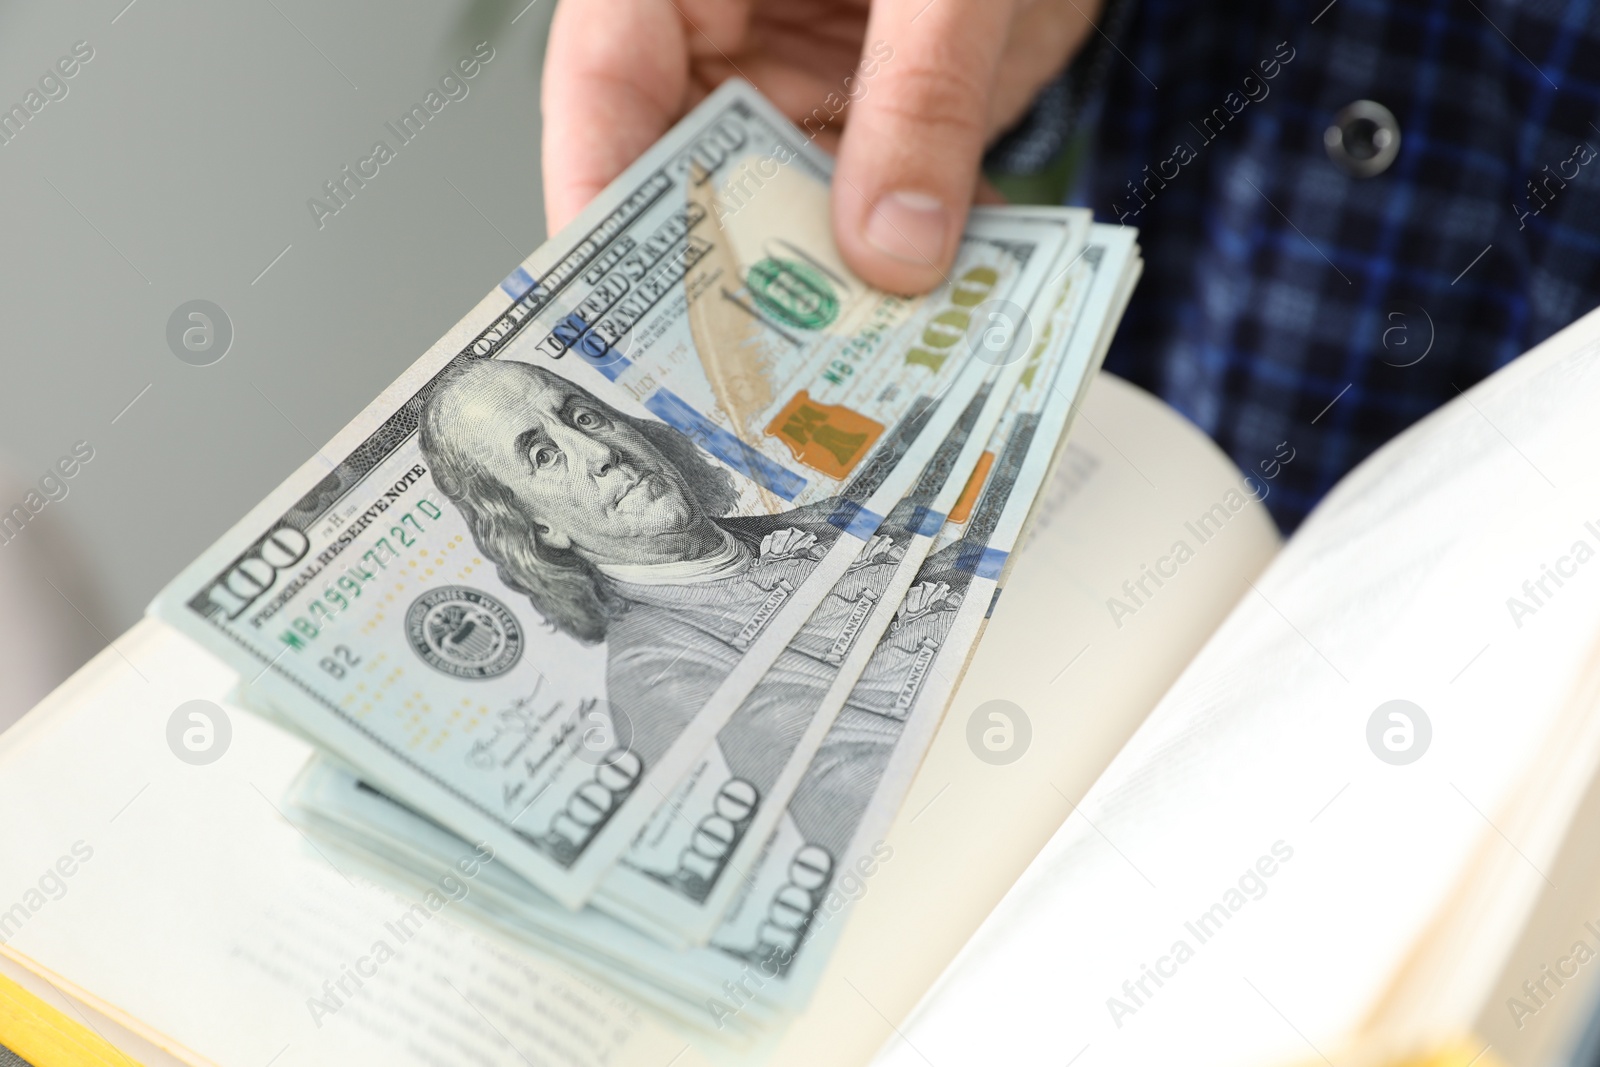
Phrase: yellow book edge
(1466, 1053)
(44, 1037)
(47, 1037)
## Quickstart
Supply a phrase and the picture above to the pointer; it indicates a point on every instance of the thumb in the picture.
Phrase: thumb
(908, 162)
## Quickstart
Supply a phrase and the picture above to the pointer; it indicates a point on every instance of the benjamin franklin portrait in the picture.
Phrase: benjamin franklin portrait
(617, 530)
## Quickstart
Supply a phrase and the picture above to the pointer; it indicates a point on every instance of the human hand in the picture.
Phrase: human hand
(948, 76)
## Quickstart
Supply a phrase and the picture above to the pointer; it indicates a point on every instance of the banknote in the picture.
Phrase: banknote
(528, 584)
(688, 862)
(768, 951)
(858, 778)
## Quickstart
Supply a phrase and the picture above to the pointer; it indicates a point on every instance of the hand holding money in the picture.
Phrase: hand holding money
(793, 893)
(924, 86)
(625, 480)
(651, 579)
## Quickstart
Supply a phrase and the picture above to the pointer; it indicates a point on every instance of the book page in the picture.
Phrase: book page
(1133, 479)
(1256, 867)
(198, 917)
(1470, 979)
(1544, 996)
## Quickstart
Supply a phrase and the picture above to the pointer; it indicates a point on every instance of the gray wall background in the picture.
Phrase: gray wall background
(178, 167)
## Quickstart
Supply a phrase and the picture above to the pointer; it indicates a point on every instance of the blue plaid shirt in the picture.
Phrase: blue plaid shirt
(1284, 300)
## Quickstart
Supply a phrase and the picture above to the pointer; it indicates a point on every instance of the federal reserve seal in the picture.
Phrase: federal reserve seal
(463, 632)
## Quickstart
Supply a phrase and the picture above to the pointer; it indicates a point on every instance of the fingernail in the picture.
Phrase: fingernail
(908, 226)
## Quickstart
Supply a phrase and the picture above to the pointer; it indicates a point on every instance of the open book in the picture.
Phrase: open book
(1212, 758)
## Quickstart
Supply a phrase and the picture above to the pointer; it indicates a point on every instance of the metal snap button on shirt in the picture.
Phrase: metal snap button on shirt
(1364, 139)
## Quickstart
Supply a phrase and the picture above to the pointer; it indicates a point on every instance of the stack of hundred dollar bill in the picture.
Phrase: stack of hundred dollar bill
(652, 579)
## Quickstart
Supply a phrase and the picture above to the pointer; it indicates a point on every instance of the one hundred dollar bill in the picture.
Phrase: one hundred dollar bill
(771, 947)
(856, 782)
(689, 861)
(604, 502)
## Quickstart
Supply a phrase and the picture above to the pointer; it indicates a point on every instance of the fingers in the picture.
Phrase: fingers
(908, 161)
(1045, 34)
(987, 193)
(615, 78)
